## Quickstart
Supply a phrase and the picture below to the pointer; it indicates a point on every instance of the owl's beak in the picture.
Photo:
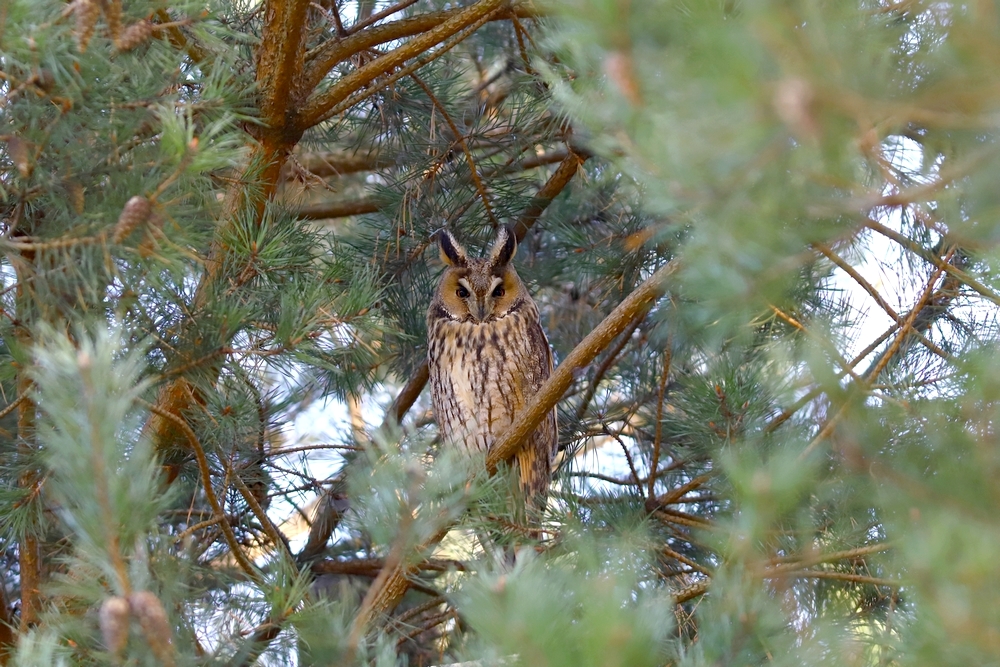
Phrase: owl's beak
(481, 311)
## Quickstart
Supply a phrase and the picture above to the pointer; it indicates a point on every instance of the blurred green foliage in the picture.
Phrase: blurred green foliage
(790, 459)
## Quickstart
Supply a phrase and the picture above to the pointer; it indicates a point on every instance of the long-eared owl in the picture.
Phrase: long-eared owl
(488, 356)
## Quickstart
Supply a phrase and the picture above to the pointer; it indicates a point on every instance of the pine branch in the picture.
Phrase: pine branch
(425, 58)
(389, 587)
(670, 553)
(13, 405)
(280, 59)
(29, 553)
(258, 642)
(338, 209)
(690, 592)
(370, 567)
(674, 495)
(339, 164)
(317, 108)
(808, 560)
(194, 51)
(407, 396)
(321, 59)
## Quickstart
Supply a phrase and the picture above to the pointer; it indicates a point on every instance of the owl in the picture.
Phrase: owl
(487, 356)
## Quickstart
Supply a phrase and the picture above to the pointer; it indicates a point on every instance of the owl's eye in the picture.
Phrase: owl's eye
(462, 293)
(498, 292)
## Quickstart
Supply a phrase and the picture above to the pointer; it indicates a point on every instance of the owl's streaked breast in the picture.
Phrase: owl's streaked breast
(479, 377)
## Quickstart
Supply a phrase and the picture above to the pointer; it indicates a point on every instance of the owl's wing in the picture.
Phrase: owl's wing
(546, 436)
(534, 459)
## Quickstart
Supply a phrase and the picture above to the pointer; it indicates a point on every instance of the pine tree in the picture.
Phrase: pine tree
(761, 236)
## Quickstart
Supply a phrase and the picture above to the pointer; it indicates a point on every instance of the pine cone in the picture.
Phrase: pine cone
(134, 35)
(113, 15)
(86, 12)
(113, 619)
(76, 196)
(155, 624)
(135, 213)
(20, 153)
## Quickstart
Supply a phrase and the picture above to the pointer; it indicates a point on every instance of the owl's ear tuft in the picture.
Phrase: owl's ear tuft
(503, 248)
(452, 252)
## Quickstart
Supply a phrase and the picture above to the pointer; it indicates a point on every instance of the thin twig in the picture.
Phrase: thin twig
(675, 494)
(684, 559)
(602, 369)
(799, 562)
(886, 356)
(460, 138)
(654, 462)
(824, 342)
(553, 186)
(378, 16)
(190, 530)
(839, 576)
(272, 531)
(628, 456)
(428, 624)
(681, 518)
(865, 285)
(929, 256)
(206, 477)
(12, 406)
(420, 608)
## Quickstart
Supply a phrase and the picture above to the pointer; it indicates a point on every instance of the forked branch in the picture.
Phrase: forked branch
(318, 107)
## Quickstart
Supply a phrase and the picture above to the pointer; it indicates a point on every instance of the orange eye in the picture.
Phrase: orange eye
(462, 293)
(498, 292)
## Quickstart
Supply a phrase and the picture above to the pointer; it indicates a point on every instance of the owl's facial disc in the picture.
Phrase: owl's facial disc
(479, 296)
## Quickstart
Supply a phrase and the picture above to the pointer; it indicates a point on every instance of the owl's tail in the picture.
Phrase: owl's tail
(534, 472)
